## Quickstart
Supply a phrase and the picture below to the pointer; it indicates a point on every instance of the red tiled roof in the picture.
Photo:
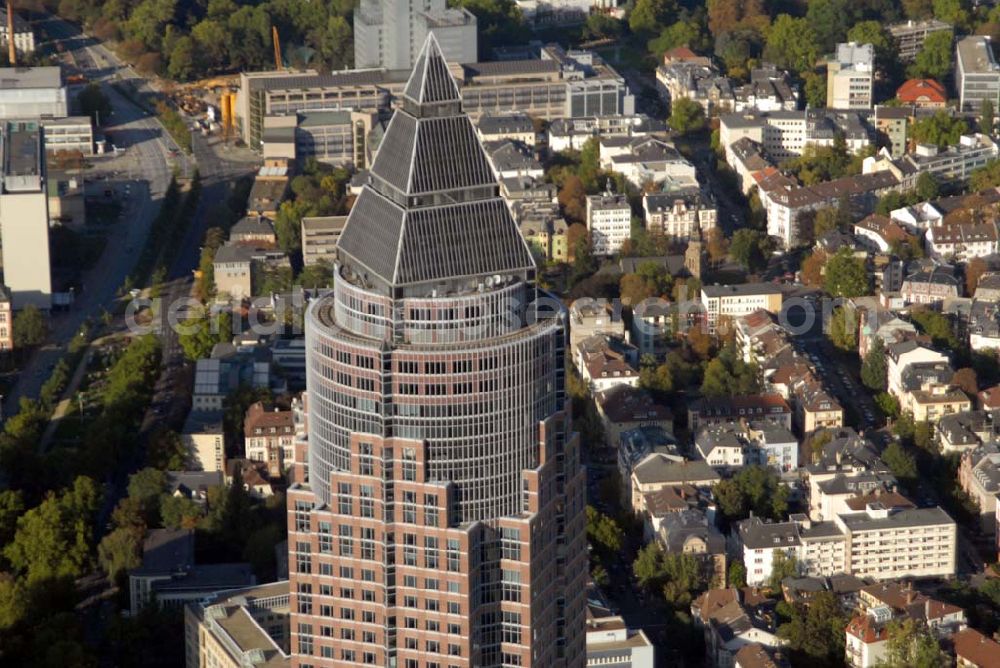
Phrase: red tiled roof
(679, 53)
(915, 89)
(976, 649)
(887, 499)
(866, 630)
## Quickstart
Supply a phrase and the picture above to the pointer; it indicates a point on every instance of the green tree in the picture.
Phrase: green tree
(179, 512)
(940, 129)
(783, 565)
(934, 59)
(816, 632)
(830, 19)
(927, 186)
(985, 177)
(11, 507)
(754, 488)
(874, 368)
(166, 451)
(53, 539)
(120, 551)
(913, 645)
(875, 33)
(601, 26)
(686, 116)
(146, 485)
(750, 248)
(649, 16)
(30, 327)
(843, 329)
(684, 578)
(319, 275)
(94, 103)
(888, 404)
(603, 533)
(737, 574)
(792, 44)
(200, 335)
(987, 117)
(681, 33)
(935, 325)
(900, 462)
(846, 275)
(814, 85)
(648, 566)
(182, 59)
(951, 11)
(288, 224)
(656, 379)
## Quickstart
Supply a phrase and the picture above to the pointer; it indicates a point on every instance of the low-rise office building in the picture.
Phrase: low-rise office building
(977, 74)
(319, 238)
(734, 301)
(239, 627)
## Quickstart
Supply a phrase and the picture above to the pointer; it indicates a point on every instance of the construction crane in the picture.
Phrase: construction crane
(277, 48)
(12, 53)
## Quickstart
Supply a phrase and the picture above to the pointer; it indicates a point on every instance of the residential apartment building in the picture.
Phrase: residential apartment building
(269, 435)
(422, 541)
(877, 542)
(734, 301)
(573, 133)
(789, 206)
(979, 477)
(695, 81)
(723, 410)
(850, 77)
(910, 36)
(388, 33)
(892, 544)
(24, 214)
(319, 238)
(645, 161)
(977, 74)
(961, 242)
(680, 214)
(609, 221)
(588, 316)
(239, 627)
(769, 89)
(785, 134)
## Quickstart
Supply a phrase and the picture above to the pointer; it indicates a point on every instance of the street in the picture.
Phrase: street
(147, 161)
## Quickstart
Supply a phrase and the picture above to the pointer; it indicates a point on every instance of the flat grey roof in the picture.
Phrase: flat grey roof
(911, 517)
(975, 55)
(30, 77)
(21, 156)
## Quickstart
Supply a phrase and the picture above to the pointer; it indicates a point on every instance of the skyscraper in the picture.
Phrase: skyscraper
(440, 517)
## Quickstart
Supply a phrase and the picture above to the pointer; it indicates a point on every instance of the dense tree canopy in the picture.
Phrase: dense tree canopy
(934, 58)
(941, 129)
(754, 488)
(792, 44)
(846, 275)
(686, 116)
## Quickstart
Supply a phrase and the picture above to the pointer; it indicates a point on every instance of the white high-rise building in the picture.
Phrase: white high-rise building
(24, 215)
(389, 33)
(850, 77)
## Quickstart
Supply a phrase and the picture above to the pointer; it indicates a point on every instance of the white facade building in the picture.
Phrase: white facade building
(977, 74)
(609, 220)
(389, 33)
(24, 215)
(33, 92)
(850, 77)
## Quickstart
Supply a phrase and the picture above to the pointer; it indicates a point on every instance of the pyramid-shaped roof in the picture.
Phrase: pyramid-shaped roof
(431, 82)
(431, 210)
